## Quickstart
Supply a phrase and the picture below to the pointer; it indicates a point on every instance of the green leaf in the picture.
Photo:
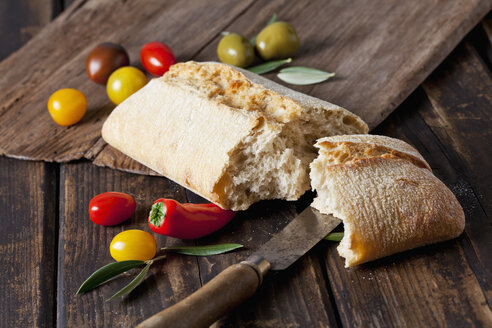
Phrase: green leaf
(133, 284)
(271, 21)
(157, 214)
(300, 75)
(303, 69)
(203, 250)
(107, 272)
(269, 66)
(334, 236)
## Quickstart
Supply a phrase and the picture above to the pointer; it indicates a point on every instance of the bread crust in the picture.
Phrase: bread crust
(373, 145)
(189, 123)
(388, 202)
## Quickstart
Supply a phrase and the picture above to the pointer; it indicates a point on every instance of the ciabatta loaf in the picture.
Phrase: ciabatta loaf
(386, 195)
(229, 135)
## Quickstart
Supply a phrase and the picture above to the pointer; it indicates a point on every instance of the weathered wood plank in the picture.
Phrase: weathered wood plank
(462, 114)
(20, 20)
(481, 43)
(61, 64)
(487, 26)
(67, 3)
(427, 287)
(461, 120)
(375, 69)
(28, 212)
(113, 158)
(84, 247)
(28, 203)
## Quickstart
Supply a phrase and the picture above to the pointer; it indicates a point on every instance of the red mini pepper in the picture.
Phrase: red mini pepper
(187, 221)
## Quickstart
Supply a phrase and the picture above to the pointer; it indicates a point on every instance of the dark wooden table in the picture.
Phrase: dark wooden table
(49, 246)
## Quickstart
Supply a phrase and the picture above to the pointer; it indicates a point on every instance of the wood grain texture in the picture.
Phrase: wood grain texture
(461, 120)
(28, 212)
(61, 64)
(380, 50)
(462, 113)
(84, 247)
(113, 158)
(487, 25)
(20, 20)
(28, 203)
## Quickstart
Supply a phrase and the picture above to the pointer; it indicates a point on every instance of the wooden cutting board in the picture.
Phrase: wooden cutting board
(380, 50)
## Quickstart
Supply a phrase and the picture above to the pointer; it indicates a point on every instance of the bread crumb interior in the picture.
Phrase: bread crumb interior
(273, 161)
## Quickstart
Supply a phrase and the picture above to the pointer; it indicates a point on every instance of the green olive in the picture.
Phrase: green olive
(277, 41)
(235, 49)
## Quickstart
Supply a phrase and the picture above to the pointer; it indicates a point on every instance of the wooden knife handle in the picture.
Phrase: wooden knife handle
(220, 295)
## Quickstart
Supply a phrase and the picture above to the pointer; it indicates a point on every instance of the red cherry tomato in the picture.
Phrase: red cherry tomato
(156, 57)
(111, 208)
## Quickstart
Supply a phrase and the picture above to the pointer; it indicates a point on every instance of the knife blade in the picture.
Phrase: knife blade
(298, 237)
(240, 281)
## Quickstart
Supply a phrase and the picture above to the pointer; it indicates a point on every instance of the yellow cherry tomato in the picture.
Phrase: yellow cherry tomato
(133, 245)
(124, 82)
(67, 106)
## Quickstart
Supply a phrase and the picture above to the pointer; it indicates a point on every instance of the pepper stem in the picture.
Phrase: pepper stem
(157, 214)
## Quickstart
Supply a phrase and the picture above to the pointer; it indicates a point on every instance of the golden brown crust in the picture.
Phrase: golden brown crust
(368, 146)
(228, 86)
(388, 203)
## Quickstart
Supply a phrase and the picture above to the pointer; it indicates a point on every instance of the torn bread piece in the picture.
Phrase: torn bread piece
(229, 135)
(386, 195)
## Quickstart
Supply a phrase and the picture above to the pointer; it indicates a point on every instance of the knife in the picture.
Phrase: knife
(240, 281)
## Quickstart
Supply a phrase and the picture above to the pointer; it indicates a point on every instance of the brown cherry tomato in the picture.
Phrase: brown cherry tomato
(104, 60)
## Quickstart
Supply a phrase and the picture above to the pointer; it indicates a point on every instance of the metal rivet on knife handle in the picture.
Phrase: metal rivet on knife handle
(260, 265)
